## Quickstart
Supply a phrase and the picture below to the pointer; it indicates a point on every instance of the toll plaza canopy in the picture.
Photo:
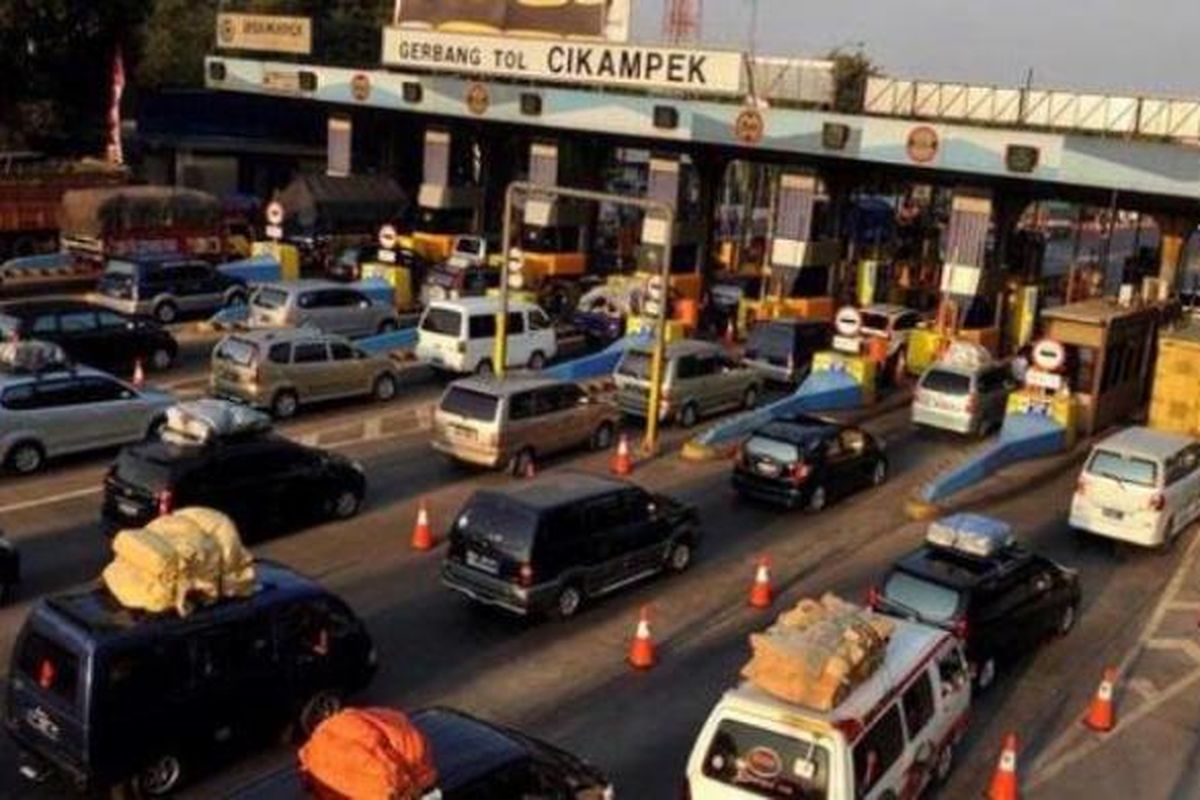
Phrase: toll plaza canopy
(94, 213)
(357, 203)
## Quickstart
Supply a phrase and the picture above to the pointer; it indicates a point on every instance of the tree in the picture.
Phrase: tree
(851, 68)
(178, 35)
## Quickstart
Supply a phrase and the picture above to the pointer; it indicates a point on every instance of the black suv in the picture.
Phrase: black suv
(90, 334)
(475, 760)
(106, 696)
(783, 349)
(551, 544)
(807, 461)
(10, 570)
(263, 481)
(1003, 604)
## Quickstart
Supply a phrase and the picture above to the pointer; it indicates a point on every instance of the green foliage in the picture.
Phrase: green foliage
(851, 68)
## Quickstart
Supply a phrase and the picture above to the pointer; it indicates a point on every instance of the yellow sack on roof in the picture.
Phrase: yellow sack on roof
(237, 565)
(136, 589)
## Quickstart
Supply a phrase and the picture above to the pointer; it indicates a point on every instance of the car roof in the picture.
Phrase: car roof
(475, 304)
(800, 429)
(887, 309)
(280, 335)
(1145, 442)
(302, 284)
(682, 347)
(559, 489)
(96, 612)
(505, 387)
(959, 570)
(18, 378)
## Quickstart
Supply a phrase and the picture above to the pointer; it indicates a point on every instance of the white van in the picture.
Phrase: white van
(460, 335)
(1140, 486)
(895, 733)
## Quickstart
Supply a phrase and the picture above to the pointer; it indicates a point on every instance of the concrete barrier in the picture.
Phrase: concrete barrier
(257, 269)
(821, 391)
(387, 342)
(595, 365)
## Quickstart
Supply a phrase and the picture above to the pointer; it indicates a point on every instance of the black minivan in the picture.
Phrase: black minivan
(783, 349)
(109, 697)
(550, 544)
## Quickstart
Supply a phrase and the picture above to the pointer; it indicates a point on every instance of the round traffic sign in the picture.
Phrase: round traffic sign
(1049, 355)
(387, 237)
(275, 212)
(848, 321)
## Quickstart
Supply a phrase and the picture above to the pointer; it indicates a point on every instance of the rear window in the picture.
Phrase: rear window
(762, 447)
(938, 380)
(774, 339)
(144, 473)
(1123, 468)
(49, 665)
(444, 278)
(635, 364)
(444, 321)
(931, 601)
(270, 298)
(767, 764)
(470, 404)
(506, 527)
(237, 351)
(874, 322)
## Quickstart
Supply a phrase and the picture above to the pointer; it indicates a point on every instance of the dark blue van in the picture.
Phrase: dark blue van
(166, 289)
(112, 698)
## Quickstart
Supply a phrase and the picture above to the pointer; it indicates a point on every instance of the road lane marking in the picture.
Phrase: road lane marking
(51, 499)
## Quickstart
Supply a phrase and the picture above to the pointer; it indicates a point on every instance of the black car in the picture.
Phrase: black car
(262, 481)
(475, 760)
(1003, 602)
(807, 461)
(10, 570)
(783, 349)
(90, 334)
(551, 544)
(105, 696)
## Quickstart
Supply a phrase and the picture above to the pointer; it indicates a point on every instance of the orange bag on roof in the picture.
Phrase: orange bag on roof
(369, 754)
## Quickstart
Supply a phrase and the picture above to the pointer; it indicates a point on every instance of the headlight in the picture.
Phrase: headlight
(358, 467)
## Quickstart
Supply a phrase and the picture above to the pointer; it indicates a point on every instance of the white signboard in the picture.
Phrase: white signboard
(1040, 379)
(265, 32)
(583, 62)
(961, 279)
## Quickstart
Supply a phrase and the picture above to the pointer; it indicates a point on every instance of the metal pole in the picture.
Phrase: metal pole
(650, 443)
(500, 351)
(1078, 242)
(1108, 234)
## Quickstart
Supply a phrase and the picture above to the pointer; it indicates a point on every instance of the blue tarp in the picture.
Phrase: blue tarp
(1023, 436)
(595, 365)
(386, 342)
(821, 391)
(259, 269)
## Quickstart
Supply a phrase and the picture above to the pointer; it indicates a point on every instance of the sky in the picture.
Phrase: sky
(1118, 46)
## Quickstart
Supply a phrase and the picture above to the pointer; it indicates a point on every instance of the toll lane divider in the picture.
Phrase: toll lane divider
(257, 269)
(830, 390)
(595, 365)
(1023, 437)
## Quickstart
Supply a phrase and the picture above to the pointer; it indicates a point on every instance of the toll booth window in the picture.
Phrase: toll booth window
(767, 764)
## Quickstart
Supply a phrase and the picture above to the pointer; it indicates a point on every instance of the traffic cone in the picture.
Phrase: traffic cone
(1004, 780)
(730, 332)
(622, 462)
(641, 652)
(530, 470)
(422, 536)
(139, 375)
(760, 590)
(1100, 716)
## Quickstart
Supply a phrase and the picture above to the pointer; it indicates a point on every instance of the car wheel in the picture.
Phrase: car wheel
(284, 404)
(385, 388)
(387, 326)
(345, 504)
(484, 368)
(318, 708)
(522, 463)
(166, 312)
(985, 675)
(537, 361)
(602, 438)
(1066, 620)
(879, 473)
(750, 398)
(161, 777)
(160, 359)
(568, 602)
(25, 458)
(680, 557)
(818, 499)
(689, 415)
(944, 764)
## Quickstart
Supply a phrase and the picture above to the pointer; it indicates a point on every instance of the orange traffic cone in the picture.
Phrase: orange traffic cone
(641, 652)
(760, 590)
(1100, 716)
(622, 462)
(422, 536)
(139, 375)
(730, 332)
(530, 470)
(1004, 780)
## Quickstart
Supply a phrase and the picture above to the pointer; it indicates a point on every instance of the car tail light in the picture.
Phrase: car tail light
(961, 628)
(799, 471)
(972, 403)
(46, 673)
(166, 502)
(850, 728)
(874, 598)
(525, 575)
(1158, 502)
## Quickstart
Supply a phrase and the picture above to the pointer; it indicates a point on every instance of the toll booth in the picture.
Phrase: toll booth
(1110, 355)
(448, 203)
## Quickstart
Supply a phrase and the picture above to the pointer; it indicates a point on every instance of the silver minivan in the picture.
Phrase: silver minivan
(327, 306)
(963, 398)
(699, 379)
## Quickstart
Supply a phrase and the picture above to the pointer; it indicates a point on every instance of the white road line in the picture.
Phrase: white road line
(51, 499)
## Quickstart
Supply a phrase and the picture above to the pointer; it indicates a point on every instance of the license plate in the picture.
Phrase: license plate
(127, 509)
(482, 562)
(464, 433)
(1112, 513)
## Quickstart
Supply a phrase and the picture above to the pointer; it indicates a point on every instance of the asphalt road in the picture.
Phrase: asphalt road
(568, 682)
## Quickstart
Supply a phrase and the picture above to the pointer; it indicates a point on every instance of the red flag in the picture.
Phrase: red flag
(114, 152)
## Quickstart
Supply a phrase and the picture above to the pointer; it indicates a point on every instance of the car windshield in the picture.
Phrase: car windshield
(767, 764)
(1123, 468)
(506, 527)
(874, 322)
(769, 338)
(471, 404)
(445, 277)
(763, 447)
(267, 297)
(237, 351)
(635, 364)
(142, 472)
(944, 382)
(444, 321)
(931, 601)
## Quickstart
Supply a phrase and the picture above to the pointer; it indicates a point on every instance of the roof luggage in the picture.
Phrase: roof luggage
(203, 420)
(368, 754)
(31, 356)
(971, 534)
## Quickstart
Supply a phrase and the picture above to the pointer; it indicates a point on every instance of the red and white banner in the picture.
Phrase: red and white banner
(114, 152)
